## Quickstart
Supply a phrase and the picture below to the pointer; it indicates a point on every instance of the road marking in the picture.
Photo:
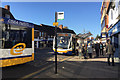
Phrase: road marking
(59, 59)
(29, 75)
(65, 59)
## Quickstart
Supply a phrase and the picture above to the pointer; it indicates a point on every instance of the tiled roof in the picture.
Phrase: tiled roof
(51, 29)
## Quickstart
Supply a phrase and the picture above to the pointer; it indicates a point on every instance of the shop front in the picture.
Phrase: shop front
(114, 34)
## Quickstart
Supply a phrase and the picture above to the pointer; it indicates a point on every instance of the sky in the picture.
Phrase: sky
(78, 16)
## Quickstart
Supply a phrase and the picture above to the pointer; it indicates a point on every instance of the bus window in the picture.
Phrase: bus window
(13, 35)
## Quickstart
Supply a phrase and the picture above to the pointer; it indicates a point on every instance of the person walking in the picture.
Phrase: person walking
(101, 49)
(80, 51)
(97, 49)
(83, 51)
(90, 50)
(110, 49)
(86, 51)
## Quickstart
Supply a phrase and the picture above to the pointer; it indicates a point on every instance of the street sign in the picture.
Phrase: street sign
(55, 24)
(60, 15)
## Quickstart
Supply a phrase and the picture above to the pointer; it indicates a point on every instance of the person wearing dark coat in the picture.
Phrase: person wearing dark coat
(97, 49)
(101, 49)
(110, 49)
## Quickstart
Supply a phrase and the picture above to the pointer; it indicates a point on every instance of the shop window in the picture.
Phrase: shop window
(116, 41)
(39, 37)
(36, 33)
(48, 36)
(40, 34)
(44, 34)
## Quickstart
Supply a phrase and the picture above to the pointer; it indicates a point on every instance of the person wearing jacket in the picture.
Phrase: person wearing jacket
(90, 50)
(110, 51)
(84, 51)
(80, 51)
(97, 47)
(101, 49)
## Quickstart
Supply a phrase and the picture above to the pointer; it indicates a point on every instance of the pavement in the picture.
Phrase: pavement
(73, 67)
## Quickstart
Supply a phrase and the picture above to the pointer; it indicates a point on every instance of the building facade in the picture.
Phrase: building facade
(104, 20)
(44, 34)
(113, 12)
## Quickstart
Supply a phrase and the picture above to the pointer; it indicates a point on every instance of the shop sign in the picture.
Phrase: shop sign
(103, 35)
(115, 29)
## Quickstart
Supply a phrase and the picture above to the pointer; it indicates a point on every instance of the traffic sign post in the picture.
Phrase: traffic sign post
(55, 43)
(58, 16)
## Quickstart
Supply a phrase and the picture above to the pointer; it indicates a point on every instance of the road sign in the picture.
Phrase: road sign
(60, 15)
(55, 24)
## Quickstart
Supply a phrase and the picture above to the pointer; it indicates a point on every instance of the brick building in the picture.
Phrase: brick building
(44, 34)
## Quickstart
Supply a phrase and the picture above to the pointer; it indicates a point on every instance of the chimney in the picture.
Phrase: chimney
(61, 26)
(7, 7)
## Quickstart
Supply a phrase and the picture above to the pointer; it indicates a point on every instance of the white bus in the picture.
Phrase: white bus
(16, 42)
(66, 43)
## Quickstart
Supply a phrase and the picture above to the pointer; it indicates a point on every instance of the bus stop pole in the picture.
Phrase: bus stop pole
(55, 44)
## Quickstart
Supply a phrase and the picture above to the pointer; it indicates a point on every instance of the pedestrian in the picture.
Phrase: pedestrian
(86, 51)
(110, 49)
(83, 51)
(90, 50)
(80, 51)
(97, 49)
(101, 49)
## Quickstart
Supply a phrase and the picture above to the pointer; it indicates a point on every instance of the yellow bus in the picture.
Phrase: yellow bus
(16, 42)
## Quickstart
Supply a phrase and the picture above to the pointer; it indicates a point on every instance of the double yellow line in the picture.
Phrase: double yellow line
(31, 74)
